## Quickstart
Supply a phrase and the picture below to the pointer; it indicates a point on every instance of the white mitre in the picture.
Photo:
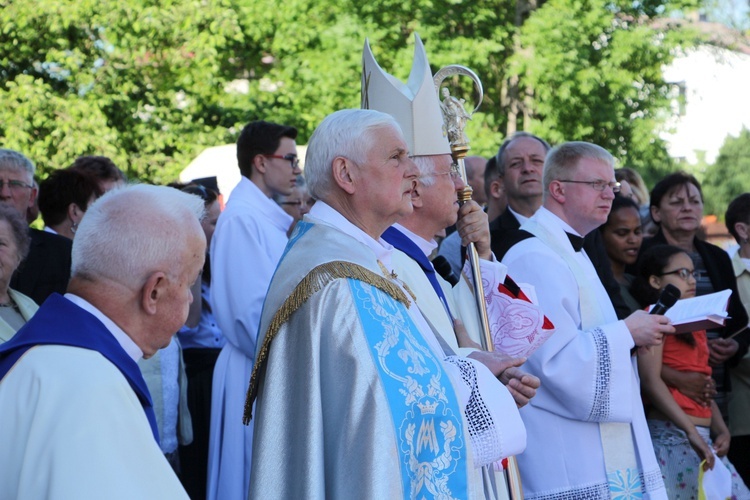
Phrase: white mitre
(415, 106)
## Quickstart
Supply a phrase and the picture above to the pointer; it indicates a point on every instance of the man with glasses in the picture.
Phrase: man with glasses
(587, 433)
(46, 269)
(248, 242)
(519, 169)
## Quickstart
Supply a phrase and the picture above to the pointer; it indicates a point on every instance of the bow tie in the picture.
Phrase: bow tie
(576, 241)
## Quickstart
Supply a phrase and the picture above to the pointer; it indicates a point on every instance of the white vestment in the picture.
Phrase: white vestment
(250, 236)
(323, 420)
(56, 445)
(587, 377)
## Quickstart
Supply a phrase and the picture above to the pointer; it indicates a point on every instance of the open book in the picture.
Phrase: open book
(699, 313)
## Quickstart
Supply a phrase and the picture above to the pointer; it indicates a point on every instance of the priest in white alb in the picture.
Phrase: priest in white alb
(587, 433)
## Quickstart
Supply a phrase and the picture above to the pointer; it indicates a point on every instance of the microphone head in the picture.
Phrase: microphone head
(669, 296)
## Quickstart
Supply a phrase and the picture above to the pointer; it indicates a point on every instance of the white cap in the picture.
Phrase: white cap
(415, 106)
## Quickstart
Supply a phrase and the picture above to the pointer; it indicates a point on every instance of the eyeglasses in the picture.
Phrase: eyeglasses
(454, 172)
(300, 203)
(598, 185)
(292, 159)
(14, 185)
(685, 274)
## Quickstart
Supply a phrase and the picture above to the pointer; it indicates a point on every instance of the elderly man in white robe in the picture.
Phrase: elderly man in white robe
(587, 431)
(354, 392)
(76, 418)
(416, 107)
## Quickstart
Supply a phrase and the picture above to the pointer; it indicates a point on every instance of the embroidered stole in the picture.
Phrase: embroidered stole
(617, 438)
(423, 405)
(60, 322)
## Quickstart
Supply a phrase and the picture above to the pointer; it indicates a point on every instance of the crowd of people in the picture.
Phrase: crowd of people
(299, 342)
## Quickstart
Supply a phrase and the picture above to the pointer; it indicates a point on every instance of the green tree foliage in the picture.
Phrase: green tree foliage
(139, 81)
(151, 83)
(729, 176)
(595, 75)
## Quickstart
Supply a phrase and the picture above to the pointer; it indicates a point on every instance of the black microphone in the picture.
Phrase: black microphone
(443, 267)
(667, 298)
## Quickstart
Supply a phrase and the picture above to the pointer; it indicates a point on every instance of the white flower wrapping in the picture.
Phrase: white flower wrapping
(518, 325)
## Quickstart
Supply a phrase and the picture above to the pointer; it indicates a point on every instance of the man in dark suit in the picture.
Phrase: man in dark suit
(519, 165)
(47, 267)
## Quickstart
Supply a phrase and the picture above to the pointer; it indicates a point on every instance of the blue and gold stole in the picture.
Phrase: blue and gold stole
(423, 405)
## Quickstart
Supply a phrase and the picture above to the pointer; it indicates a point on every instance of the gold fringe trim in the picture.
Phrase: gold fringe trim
(316, 280)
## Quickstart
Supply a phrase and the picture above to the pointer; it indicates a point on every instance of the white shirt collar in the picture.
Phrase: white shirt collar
(247, 189)
(48, 229)
(520, 218)
(122, 338)
(327, 214)
(427, 247)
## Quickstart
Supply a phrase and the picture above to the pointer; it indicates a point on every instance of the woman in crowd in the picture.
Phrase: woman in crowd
(681, 428)
(738, 222)
(64, 197)
(677, 207)
(201, 342)
(15, 308)
(622, 239)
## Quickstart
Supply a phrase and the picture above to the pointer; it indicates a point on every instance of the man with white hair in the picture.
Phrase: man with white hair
(587, 433)
(355, 397)
(46, 269)
(77, 418)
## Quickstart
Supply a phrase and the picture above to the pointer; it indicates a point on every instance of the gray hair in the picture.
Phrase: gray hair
(506, 143)
(344, 133)
(13, 160)
(565, 157)
(133, 231)
(426, 167)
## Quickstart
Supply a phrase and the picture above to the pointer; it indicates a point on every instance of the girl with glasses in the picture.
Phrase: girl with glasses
(684, 431)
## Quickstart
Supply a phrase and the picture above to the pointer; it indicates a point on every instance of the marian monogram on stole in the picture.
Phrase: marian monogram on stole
(426, 416)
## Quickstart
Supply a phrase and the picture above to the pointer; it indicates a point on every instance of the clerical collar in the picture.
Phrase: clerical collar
(122, 338)
(328, 215)
(427, 247)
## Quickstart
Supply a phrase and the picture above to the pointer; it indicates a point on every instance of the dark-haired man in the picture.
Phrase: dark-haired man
(250, 237)
(104, 170)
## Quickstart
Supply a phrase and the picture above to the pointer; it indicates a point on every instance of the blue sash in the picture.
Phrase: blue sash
(426, 417)
(60, 322)
(403, 243)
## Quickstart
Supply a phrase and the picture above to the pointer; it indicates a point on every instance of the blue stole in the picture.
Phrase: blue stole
(61, 322)
(403, 243)
(423, 404)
